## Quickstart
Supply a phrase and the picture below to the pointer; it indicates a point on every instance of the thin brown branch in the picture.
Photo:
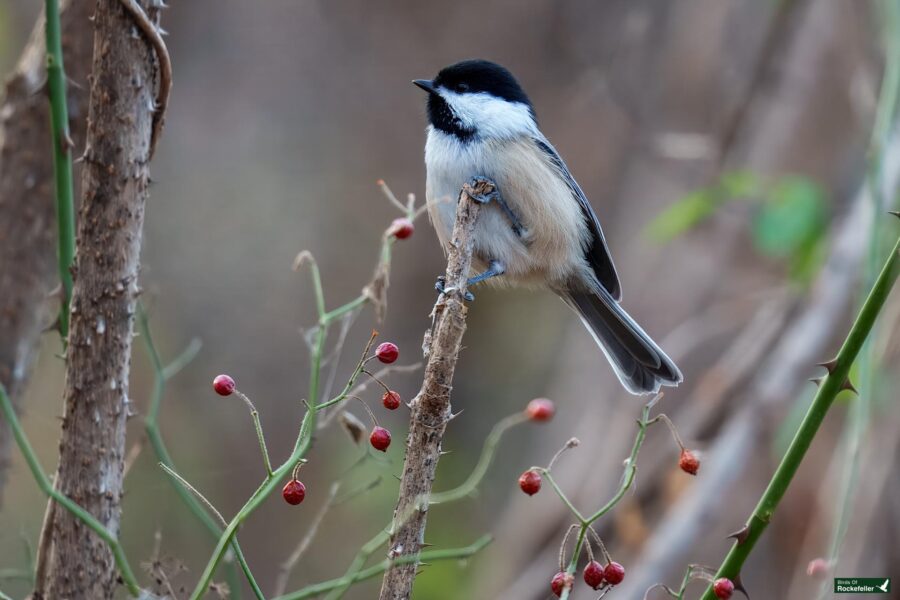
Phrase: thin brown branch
(431, 408)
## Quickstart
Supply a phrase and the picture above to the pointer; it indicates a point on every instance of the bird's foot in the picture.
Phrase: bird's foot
(440, 286)
(479, 181)
(495, 196)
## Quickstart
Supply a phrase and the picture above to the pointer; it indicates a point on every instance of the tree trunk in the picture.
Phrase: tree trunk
(28, 269)
(115, 187)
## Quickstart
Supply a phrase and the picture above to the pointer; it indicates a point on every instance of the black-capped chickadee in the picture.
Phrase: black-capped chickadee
(539, 230)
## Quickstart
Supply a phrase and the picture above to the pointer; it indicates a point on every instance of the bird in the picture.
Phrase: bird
(537, 229)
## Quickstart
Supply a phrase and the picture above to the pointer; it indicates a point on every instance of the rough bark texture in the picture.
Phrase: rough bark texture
(431, 408)
(28, 269)
(115, 187)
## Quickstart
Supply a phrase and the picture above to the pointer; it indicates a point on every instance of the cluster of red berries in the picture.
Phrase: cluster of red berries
(595, 575)
(386, 352)
(294, 491)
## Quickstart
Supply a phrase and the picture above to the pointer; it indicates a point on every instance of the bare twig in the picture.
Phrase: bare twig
(431, 408)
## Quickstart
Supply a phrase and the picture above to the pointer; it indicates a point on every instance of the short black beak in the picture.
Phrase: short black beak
(425, 84)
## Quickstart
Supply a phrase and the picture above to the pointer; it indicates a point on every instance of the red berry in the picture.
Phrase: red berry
(561, 581)
(402, 228)
(689, 462)
(530, 482)
(540, 409)
(614, 573)
(294, 492)
(224, 385)
(391, 400)
(387, 352)
(723, 588)
(380, 438)
(818, 568)
(593, 574)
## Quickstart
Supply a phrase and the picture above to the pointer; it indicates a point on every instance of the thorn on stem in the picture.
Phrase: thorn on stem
(830, 365)
(846, 385)
(739, 586)
(817, 380)
(740, 535)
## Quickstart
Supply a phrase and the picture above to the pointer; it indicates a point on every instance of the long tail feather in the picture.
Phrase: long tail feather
(638, 362)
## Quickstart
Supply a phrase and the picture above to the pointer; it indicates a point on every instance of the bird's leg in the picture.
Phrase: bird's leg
(495, 197)
(495, 269)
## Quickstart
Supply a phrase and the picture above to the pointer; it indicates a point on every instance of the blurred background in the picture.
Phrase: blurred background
(727, 147)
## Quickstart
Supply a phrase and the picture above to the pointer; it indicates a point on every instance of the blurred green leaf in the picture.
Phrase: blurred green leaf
(739, 184)
(682, 216)
(807, 260)
(792, 215)
(699, 205)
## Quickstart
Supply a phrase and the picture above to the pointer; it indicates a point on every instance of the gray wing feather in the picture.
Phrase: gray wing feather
(598, 253)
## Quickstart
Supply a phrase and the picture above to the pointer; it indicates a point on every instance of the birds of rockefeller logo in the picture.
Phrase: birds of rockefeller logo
(862, 585)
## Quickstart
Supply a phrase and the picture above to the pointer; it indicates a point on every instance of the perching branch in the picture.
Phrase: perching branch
(835, 381)
(431, 408)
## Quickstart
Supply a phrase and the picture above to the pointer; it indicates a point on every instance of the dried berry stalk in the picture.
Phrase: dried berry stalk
(431, 408)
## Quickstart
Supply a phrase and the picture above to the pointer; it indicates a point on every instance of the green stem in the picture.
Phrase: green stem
(62, 161)
(860, 412)
(234, 545)
(262, 442)
(77, 511)
(161, 375)
(307, 426)
(340, 585)
(828, 389)
(484, 461)
(356, 567)
(627, 481)
(375, 570)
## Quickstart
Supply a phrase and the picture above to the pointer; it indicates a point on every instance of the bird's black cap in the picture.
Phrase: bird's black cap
(481, 76)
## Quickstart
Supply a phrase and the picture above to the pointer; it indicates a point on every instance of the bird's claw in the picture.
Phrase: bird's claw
(484, 198)
(441, 286)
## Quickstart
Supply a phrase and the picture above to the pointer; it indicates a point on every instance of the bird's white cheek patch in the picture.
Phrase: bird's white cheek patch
(490, 116)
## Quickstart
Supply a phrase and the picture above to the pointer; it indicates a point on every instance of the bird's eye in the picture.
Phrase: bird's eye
(462, 87)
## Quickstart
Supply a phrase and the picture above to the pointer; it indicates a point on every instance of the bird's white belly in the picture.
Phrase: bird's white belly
(552, 247)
